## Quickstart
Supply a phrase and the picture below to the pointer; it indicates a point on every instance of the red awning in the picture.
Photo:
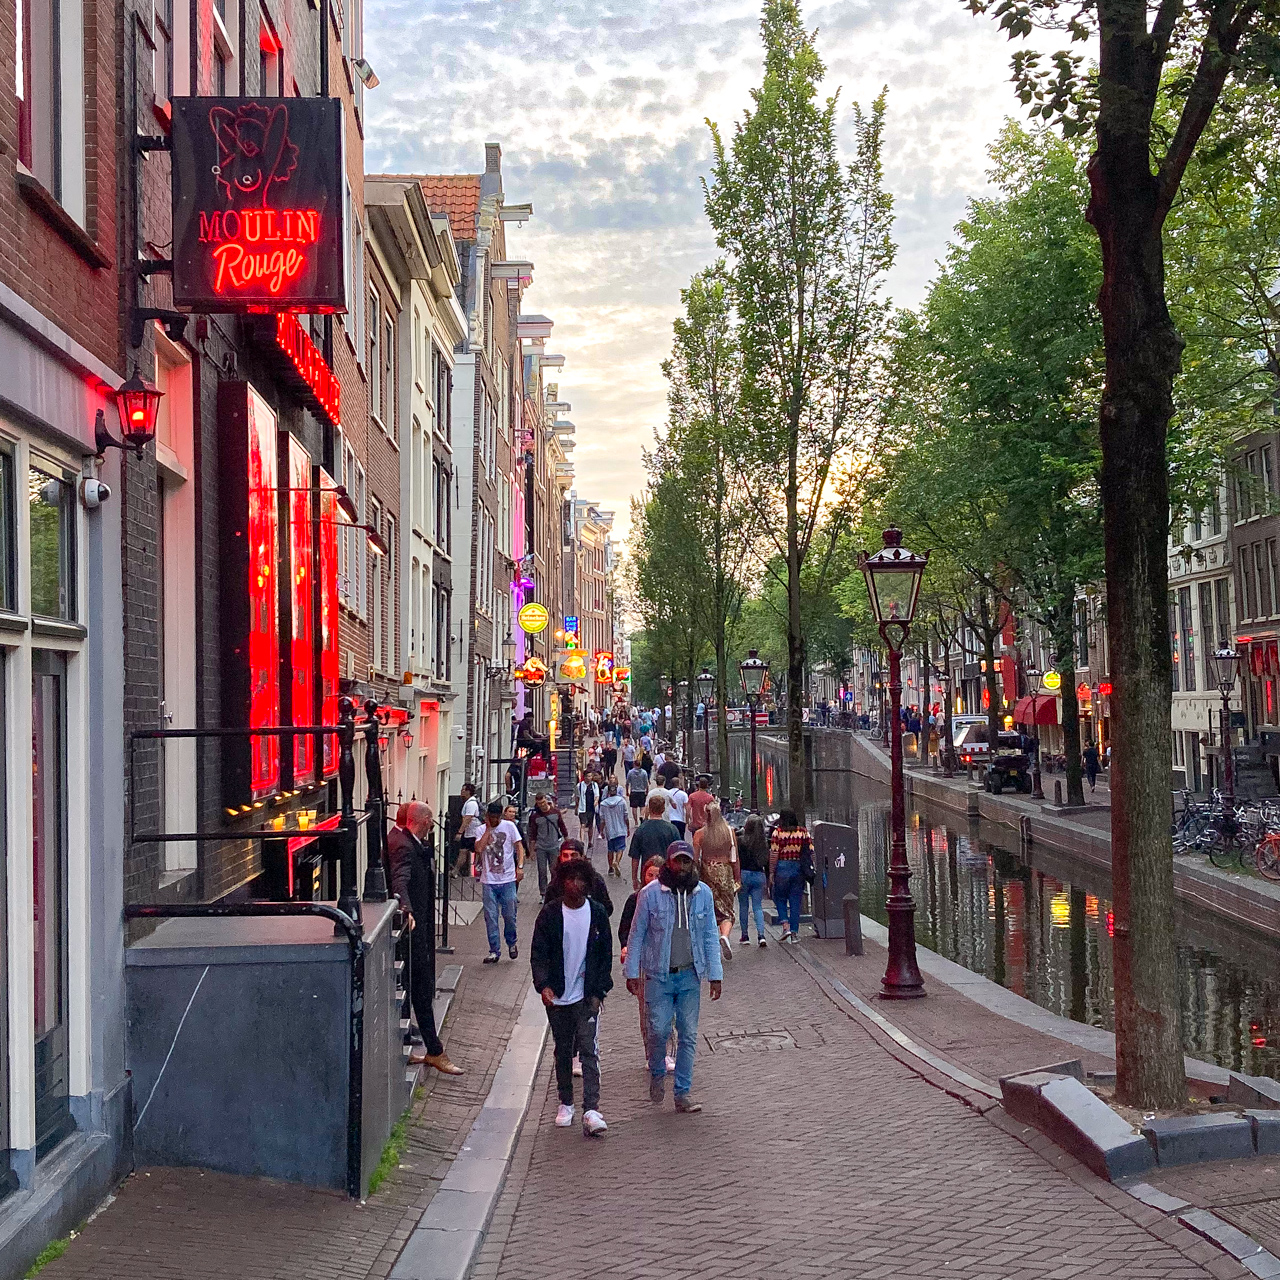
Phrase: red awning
(1046, 710)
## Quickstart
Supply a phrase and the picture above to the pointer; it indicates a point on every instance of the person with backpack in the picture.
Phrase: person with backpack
(545, 831)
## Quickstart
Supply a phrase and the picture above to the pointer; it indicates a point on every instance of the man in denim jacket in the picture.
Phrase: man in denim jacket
(675, 944)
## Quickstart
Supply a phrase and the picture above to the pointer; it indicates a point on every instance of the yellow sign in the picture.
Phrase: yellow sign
(533, 618)
(1052, 680)
(573, 668)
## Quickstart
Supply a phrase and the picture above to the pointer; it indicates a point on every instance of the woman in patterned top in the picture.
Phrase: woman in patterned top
(787, 846)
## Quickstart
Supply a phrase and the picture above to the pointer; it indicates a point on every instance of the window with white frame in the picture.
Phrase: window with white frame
(393, 559)
(360, 541)
(162, 56)
(389, 374)
(417, 340)
(415, 614)
(49, 86)
(375, 591)
(374, 367)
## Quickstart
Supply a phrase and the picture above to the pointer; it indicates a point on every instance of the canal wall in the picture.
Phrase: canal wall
(1250, 903)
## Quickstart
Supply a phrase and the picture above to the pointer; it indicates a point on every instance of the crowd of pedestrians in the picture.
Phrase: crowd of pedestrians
(694, 874)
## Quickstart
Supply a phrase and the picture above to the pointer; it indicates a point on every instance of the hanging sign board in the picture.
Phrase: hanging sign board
(533, 617)
(258, 204)
(1052, 681)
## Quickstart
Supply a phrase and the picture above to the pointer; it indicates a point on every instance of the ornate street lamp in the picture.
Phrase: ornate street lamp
(893, 577)
(706, 679)
(1034, 676)
(138, 403)
(753, 670)
(1226, 663)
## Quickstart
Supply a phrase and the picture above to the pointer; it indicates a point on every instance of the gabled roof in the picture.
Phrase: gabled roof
(455, 194)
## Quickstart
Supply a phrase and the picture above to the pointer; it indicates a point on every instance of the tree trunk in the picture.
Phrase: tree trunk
(994, 723)
(722, 715)
(1064, 644)
(1143, 354)
(795, 653)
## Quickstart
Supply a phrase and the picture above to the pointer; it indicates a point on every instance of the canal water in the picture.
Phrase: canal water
(1041, 925)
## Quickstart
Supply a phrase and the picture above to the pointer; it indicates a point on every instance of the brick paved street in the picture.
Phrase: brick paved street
(818, 1154)
(826, 1159)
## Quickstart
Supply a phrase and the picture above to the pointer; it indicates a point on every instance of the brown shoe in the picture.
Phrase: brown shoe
(440, 1061)
(686, 1103)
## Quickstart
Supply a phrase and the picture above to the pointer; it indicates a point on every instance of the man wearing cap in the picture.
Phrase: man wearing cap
(673, 947)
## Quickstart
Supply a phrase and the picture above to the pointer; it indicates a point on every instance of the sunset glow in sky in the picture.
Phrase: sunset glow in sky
(601, 111)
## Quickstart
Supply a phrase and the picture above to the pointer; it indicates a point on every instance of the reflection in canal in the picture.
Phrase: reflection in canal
(1042, 927)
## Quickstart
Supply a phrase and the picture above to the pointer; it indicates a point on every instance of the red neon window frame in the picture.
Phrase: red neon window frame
(302, 644)
(327, 564)
(264, 628)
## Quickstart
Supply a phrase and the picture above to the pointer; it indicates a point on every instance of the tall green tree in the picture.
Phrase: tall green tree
(1135, 175)
(704, 375)
(808, 245)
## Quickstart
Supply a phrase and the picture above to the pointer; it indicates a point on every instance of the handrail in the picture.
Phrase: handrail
(354, 932)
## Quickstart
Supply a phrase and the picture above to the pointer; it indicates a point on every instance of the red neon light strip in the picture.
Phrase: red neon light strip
(302, 651)
(328, 568)
(264, 631)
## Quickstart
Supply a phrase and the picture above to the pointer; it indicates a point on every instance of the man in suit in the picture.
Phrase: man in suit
(412, 866)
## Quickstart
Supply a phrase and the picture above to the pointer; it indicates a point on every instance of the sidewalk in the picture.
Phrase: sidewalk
(190, 1224)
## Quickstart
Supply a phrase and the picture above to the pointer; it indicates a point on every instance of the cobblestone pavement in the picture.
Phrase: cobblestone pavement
(817, 1154)
(190, 1224)
(1244, 1192)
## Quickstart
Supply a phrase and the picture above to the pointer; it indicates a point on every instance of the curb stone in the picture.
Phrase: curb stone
(449, 1234)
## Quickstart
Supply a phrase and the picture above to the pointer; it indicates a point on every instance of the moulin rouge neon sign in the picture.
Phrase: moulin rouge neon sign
(257, 204)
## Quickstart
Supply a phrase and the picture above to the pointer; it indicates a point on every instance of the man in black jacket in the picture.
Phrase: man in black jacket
(572, 962)
(412, 866)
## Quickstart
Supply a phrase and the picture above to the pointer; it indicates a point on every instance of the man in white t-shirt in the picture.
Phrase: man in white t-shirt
(469, 832)
(572, 961)
(501, 854)
(677, 798)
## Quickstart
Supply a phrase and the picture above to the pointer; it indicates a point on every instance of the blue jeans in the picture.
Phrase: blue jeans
(788, 889)
(752, 895)
(671, 995)
(500, 897)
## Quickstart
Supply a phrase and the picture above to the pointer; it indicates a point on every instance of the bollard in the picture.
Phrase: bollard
(852, 925)
(1057, 793)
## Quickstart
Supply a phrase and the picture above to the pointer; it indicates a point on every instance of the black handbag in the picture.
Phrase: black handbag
(806, 863)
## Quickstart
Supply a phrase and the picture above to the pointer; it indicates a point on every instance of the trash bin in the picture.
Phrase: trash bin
(835, 865)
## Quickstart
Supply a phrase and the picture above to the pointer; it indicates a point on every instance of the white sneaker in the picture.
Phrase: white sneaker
(726, 947)
(577, 1066)
(564, 1117)
(592, 1124)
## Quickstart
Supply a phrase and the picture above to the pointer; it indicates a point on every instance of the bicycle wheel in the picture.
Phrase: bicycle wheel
(1266, 857)
(1223, 850)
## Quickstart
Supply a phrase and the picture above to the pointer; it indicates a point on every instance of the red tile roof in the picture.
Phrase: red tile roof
(458, 195)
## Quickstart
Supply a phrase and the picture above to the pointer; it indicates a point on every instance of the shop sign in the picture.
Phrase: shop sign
(258, 204)
(533, 617)
(574, 667)
(1104, 689)
(571, 631)
(533, 673)
(310, 367)
(1052, 680)
(604, 666)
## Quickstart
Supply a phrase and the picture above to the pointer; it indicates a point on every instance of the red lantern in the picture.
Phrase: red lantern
(138, 403)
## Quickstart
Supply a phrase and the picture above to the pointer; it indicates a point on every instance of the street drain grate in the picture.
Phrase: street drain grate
(759, 1039)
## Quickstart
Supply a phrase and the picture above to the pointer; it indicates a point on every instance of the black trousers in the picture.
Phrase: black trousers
(422, 951)
(573, 1028)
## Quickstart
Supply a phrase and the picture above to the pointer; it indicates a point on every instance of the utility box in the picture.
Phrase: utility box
(836, 875)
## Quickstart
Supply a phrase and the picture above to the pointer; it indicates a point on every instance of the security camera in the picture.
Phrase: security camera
(93, 493)
(459, 733)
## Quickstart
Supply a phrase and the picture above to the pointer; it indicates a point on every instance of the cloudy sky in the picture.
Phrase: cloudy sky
(600, 107)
